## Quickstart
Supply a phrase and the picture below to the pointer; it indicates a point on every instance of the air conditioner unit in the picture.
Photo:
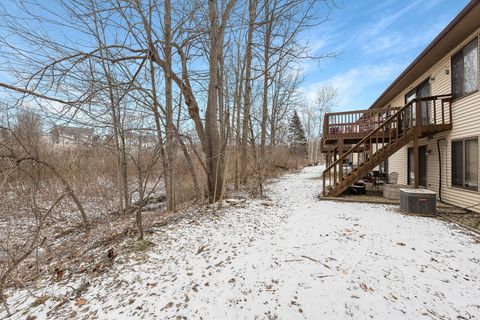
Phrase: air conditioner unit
(418, 201)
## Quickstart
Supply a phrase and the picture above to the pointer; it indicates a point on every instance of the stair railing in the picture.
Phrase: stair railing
(433, 110)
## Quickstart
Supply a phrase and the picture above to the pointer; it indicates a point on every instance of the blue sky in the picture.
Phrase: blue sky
(376, 41)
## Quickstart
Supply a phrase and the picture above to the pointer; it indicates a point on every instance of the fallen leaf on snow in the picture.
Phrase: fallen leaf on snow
(201, 249)
(365, 287)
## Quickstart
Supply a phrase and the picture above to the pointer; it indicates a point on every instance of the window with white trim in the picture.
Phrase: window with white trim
(465, 70)
(465, 163)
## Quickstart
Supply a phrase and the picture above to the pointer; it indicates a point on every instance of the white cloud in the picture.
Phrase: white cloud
(382, 37)
(396, 42)
(353, 83)
(385, 43)
(390, 18)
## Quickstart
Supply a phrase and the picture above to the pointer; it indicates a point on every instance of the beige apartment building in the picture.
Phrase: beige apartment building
(425, 126)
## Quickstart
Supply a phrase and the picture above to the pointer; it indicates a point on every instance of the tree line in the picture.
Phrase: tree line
(224, 73)
(187, 98)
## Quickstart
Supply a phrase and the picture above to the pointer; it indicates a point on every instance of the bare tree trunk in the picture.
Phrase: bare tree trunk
(156, 113)
(191, 167)
(237, 111)
(170, 152)
(248, 85)
(266, 58)
(138, 216)
(213, 152)
(273, 117)
(124, 171)
(225, 120)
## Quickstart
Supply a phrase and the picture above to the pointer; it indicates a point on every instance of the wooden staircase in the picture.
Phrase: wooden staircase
(387, 138)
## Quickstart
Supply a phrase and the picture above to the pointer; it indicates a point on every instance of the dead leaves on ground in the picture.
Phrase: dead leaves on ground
(366, 288)
(201, 249)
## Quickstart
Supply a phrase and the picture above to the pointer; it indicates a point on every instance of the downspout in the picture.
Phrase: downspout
(439, 170)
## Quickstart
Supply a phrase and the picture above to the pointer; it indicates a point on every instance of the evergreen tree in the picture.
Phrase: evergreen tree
(297, 133)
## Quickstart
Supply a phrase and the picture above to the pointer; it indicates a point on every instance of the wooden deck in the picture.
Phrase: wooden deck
(352, 126)
(420, 118)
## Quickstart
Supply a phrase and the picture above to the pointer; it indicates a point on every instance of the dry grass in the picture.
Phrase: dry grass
(29, 190)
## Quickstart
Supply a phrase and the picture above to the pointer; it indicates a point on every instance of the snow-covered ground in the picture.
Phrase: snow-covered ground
(289, 257)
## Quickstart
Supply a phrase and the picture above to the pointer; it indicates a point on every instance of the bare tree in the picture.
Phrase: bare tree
(313, 114)
(326, 100)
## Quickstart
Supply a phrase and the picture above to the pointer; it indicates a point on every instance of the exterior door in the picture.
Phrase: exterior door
(422, 163)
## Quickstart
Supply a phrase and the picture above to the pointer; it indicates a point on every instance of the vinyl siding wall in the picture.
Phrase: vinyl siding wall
(466, 124)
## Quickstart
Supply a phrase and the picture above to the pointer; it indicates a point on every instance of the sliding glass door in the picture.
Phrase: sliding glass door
(422, 163)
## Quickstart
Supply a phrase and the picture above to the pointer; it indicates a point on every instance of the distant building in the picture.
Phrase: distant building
(134, 140)
(140, 140)
(64, 136)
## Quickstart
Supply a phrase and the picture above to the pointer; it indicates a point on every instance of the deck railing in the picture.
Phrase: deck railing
(435, 112)
(355, 122)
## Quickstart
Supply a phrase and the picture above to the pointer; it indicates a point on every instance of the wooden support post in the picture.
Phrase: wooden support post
(443, 111)
(340, 147)
(416, 162)
(450, 119)
(326, 125)
(418, 117)
(334, 168)
(324, 191)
